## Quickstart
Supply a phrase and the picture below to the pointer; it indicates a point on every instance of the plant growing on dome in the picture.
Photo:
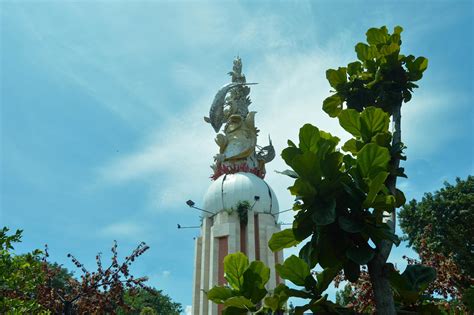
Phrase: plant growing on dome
(346, 201)
(242, 211)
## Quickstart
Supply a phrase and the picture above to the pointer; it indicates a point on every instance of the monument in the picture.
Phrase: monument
(241, 209)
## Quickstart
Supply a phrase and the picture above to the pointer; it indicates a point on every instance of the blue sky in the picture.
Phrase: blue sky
(102, 135)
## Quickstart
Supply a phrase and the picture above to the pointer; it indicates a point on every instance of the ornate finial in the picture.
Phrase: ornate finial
(238, 101)
(239, 142)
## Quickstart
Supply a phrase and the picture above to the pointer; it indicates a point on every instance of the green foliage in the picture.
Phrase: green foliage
(148, 311)
(448, 211)
(153, 301)
(294, 269)
(409, 286)
(242, 210)
(344, 297)
(246, 287)
(19, 277)
(341, 198)
(234, 268)
(282, 239)
(382, 77)
(468, 298)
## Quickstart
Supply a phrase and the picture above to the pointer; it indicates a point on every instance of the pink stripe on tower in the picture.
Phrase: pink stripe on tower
(257, 238)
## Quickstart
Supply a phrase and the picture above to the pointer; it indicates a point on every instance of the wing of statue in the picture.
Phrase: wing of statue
(267, 153)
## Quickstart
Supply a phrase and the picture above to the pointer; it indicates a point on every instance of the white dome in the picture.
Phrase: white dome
(230, 189)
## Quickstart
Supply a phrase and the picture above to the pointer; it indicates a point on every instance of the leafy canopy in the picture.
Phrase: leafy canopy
(450, 213)
(20, 275)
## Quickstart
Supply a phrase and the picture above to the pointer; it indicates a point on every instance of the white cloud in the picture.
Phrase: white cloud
(166, 273)
(188, 310)
(122, 230)
(176, 157)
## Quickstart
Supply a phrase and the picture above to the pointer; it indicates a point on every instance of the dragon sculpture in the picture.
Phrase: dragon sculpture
(238, 149)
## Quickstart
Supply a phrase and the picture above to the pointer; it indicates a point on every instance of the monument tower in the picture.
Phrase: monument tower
(241, 209)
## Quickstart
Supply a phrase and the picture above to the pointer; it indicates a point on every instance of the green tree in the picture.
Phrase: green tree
(450, 213)
(342, 198)
(344, 297)
(20, 276)
(149, 300)
(148, 311)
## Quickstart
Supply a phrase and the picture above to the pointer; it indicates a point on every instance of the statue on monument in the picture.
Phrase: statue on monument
(238, 142)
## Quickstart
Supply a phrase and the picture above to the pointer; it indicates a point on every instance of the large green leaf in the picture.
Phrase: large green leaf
(278, 300)
(331, 165)
(259, 274)
(420, 64)
(391, 48)
(353, 146)
(397, 29)
(332, 105)
(272, 302)
(234, 268)
(302, 225)
(325, 277)
(289, 153)
(365, 52)
(336, 77)
(350, 225)
(302, 188)
(351, 270)
(419, 276)
(381, 232)
(360, 255)
(294, 269)
(307, 167)
(309, 137)
(324, 212)
(375, 185)
(239, 302)
(219, 294)
(309, 254)
(349, 119)
(409, 285)
(354, 68)
(328, 140)
(282, 239)
(377, 36)
(373, 120)
(255, 278)
(372, 159)
(330, 247)
(400, 198)
(382, 139)
(384, 202)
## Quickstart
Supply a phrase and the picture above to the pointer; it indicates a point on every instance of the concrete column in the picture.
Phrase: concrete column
(197, 275)
(205, 260)
(271, 284)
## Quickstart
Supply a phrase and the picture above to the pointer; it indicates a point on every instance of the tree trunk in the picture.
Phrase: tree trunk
(377, 267)
(68, 308)
(383, 295)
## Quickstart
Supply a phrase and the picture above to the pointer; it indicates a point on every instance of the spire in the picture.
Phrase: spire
(238, 101)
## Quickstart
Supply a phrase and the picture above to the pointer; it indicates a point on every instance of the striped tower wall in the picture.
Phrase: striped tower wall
(223, 234)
